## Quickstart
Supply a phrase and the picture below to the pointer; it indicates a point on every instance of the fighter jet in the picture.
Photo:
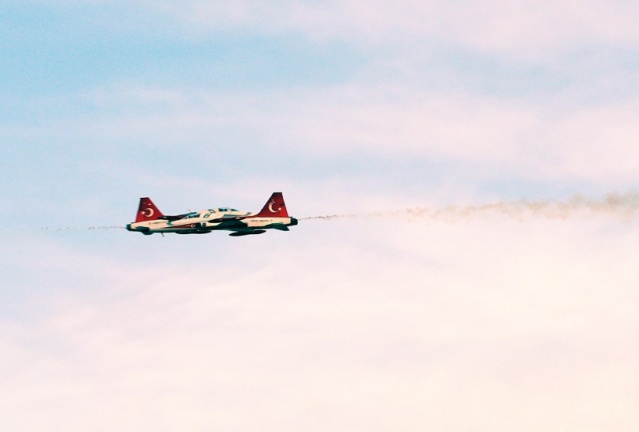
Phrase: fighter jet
(150, 220)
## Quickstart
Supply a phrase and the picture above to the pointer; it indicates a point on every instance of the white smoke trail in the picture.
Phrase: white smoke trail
(75, 228)
(620, 205)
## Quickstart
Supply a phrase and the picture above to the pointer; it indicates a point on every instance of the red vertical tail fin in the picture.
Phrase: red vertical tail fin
(274, 207)
(147, 211)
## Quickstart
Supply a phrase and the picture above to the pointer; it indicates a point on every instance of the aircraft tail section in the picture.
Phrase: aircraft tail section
(147, 211)
(274, 207)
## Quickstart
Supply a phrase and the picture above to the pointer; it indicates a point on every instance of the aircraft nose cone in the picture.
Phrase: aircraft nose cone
(128, 227)
(293, 221)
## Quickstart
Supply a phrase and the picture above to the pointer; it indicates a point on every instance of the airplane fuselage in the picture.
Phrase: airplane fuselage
(205, 221)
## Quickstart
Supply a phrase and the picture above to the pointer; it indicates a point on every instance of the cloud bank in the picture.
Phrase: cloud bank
(533, 328)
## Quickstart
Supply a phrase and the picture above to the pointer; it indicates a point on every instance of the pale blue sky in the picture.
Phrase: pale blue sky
(66, 64)
(69, 64)
(358, 324)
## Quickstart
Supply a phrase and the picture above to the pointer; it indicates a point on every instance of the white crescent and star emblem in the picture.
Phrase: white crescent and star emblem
(270, 207)
(148, 212)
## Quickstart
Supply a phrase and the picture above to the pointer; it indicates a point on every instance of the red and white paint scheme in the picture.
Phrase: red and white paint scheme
(150, 220)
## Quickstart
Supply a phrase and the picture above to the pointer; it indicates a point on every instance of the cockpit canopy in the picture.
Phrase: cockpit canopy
(206, 214)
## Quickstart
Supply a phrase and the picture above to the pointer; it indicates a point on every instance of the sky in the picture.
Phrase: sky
(485, 279)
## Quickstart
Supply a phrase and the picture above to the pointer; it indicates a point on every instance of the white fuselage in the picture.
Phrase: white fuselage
(211, 220)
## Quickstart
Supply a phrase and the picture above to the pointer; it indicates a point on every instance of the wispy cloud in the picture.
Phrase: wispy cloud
(538, 140)
(524, 29)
